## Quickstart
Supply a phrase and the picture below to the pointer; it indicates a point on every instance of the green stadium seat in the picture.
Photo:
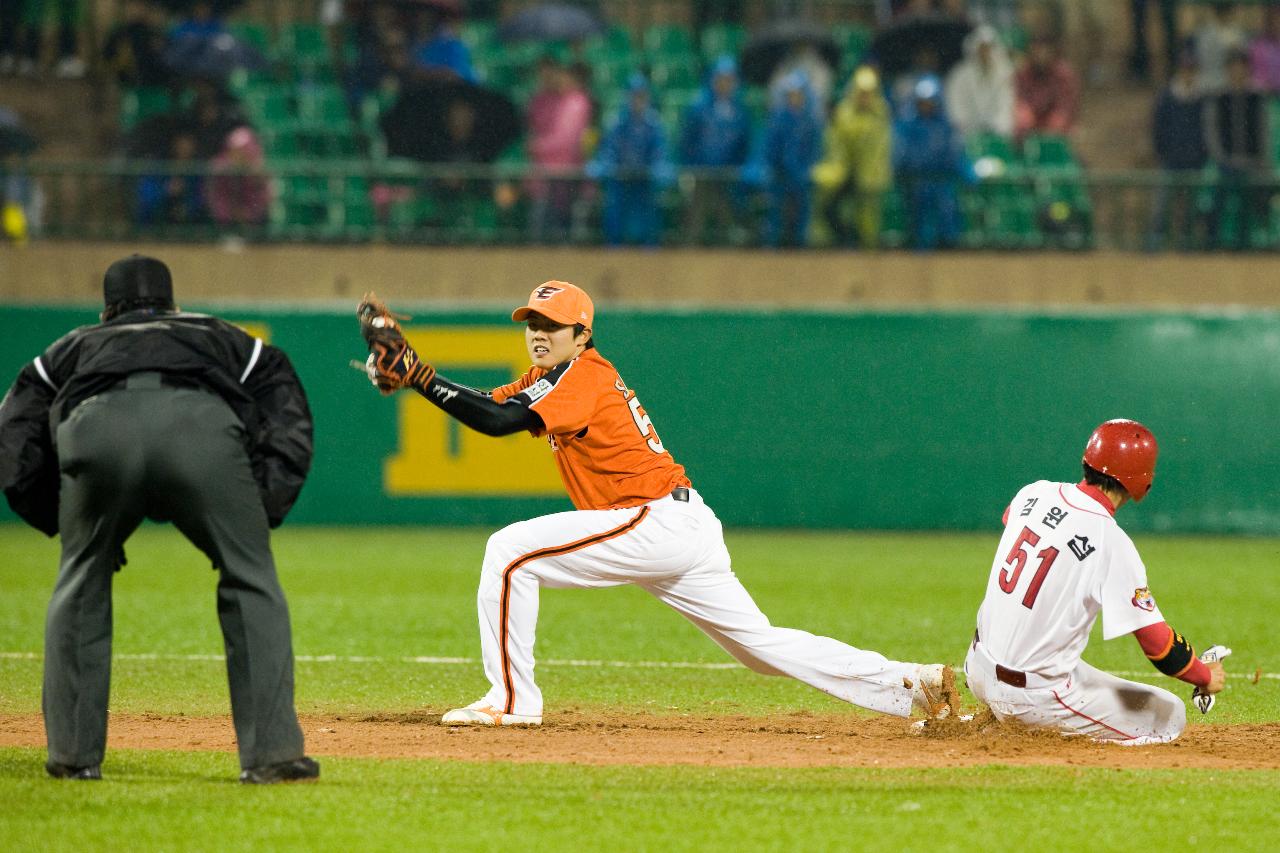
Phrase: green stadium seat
(1274, 108)
(667, 40)
(721, 39)
(142, 103)
(253, 34)
(673, 73)
(893, 221)
(854, 42)
(478, 36)
(323, 105)
(673, 105)
(270, 107)
(1048, 151)
(304, 40)
(756, 99)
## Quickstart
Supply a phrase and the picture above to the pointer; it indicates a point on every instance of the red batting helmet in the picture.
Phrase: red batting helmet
(1125, 450)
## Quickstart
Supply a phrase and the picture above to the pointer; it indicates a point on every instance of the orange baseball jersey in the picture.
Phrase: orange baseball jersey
(608, 453)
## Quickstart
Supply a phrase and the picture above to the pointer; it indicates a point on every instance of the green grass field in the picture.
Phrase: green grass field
(374, 598)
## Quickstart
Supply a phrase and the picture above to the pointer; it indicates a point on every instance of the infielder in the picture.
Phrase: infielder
(637, 520)
(1062, 559)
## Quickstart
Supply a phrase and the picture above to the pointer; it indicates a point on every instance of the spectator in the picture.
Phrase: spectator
(176, 197)
(382, 63)
(238, 191)
(792, 145)
(804, 59)
(857, 167)
(1217, 36)
(21, 31)
(22, 203)
(925, 62)
(559, 115)
(1047, 92)
(1177, 130)
(201, 22)
(1238, 135)
(211, 118)
(1264, 53)
(929, 162)
(632, 165)
(979, 91)
(439, 52)
(716, 134)
(1140, 53)
(135, 48)
(1001, 14)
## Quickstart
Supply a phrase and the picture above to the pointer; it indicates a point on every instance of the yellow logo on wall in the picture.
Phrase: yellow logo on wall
(439, 456)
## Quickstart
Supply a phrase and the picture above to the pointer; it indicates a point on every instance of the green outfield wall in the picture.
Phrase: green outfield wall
(804, 419)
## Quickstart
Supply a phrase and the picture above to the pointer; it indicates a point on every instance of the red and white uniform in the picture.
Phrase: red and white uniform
(1061, 561)
(629, 528)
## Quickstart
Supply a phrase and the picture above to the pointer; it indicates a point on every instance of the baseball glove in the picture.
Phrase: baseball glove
(392, 364)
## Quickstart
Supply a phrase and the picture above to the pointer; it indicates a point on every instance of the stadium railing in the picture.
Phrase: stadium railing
(409, 202)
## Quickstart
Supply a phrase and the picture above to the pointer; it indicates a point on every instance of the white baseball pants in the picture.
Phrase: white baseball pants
(1088, 702)
(674, 550)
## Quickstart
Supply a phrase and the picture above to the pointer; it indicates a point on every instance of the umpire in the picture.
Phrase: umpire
(156, 413)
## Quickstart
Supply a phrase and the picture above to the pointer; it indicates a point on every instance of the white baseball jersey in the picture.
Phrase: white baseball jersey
(1062, 558)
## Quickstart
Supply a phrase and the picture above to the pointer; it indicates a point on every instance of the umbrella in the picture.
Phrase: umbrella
(220, 7)
(896, 46)
(773, 44)
(416, 124)
(212, 56)
(14, 138)
(550, 22)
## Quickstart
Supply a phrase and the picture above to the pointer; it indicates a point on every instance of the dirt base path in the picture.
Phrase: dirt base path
(791, 740)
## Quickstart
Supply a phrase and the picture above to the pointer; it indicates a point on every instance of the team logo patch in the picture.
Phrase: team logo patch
(547, 291)
(1142, 599)
(538, 390)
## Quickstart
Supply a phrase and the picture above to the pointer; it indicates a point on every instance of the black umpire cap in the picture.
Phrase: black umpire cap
(136, 278)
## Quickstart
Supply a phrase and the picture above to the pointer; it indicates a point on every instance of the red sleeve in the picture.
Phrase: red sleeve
(1157, 639)
(1004, 519)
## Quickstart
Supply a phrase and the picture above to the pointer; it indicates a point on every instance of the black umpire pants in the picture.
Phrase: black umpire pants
(177, 455)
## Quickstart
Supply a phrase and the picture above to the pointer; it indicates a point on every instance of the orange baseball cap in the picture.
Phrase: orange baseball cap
(560, 301)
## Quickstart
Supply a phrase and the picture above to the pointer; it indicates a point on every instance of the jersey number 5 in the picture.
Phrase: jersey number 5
(1018, 560)
(645, 425)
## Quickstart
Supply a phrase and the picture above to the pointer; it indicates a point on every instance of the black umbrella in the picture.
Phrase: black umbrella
(773, 44)
(14, 138)
(216, 56)
(550, 22)
(417, 125)
(220, 7)
(895, 47)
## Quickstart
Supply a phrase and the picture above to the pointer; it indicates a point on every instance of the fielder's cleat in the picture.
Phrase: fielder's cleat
(302, 769)
(934, 691)
(66, 771)
(483, 714)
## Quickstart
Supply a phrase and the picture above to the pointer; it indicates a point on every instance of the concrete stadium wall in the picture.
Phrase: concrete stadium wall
(57, 273)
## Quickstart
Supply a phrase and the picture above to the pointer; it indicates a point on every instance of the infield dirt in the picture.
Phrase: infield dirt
(791, 740)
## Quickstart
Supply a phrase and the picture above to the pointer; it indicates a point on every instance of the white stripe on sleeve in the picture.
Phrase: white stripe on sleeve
(43, 373)
(253, 359)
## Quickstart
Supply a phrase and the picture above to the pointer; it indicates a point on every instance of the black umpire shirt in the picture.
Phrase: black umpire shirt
(190, 350)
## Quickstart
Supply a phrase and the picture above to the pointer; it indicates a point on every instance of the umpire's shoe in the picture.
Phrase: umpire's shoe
(298, 770)
(66, 771)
